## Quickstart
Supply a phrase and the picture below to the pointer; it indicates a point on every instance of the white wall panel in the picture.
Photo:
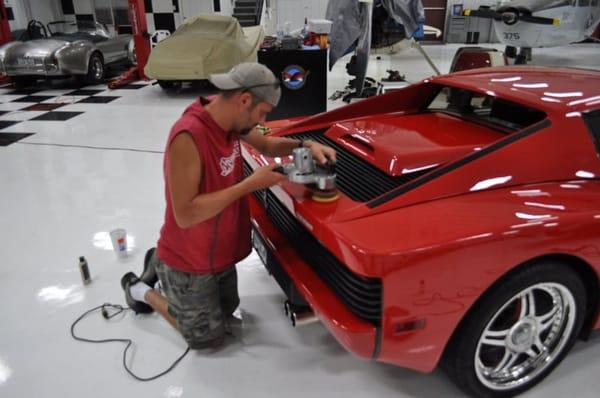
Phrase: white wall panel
(226, 7)
(25, 10)
(295, 11)
(190, 8)
(42, 10)
(83, 6)
(162, 6)
(20, 17)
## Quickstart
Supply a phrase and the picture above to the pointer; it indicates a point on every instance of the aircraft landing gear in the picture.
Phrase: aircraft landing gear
(510, 51)
(524, 56)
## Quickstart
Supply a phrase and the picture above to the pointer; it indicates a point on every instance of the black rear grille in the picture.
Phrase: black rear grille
(362, 295)
(356, 178)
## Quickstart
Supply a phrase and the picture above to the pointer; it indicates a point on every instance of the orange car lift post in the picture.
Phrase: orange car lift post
(137, 18)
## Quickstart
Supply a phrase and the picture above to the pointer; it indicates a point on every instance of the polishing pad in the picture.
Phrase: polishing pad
(325, 196)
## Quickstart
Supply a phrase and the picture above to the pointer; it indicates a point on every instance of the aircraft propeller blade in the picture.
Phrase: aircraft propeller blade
(510, 17)
(539, 20)
(482, 13)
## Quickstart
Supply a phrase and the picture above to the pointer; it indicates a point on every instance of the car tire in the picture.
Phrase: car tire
(23, 82)
(518, 332)
(96, 70)
(169, 84)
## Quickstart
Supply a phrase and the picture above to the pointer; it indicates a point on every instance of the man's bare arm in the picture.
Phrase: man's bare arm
(191, 207)
(281, 146)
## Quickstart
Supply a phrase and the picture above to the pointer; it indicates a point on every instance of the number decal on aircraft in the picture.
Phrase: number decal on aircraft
(511, 35)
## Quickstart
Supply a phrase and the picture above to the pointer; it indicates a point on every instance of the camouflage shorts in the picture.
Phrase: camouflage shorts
(200, 303)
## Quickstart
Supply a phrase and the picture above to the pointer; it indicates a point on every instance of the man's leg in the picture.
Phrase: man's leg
(143, 289)
(192, 303)
(228, 289)
(160, 305)
(191, 306)
(230, 300)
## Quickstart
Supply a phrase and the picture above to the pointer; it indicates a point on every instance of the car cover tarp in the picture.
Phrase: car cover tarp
(203, 45)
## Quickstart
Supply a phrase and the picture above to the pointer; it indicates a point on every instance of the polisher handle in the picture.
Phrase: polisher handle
(328, 167)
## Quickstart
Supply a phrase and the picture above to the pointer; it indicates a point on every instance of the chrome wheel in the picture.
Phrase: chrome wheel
(97, 69)
(525, 336)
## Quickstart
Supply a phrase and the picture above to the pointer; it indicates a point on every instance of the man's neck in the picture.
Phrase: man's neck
(220, 112)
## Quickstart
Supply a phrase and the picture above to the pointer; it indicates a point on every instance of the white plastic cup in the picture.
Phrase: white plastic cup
(119, 241)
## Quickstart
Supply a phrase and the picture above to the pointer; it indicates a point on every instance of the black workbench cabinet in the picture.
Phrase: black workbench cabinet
(303, 76)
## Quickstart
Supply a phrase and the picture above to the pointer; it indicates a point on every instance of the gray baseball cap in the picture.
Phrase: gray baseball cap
(250, 76)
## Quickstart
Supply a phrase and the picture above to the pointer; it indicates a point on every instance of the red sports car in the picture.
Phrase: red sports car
(466, 227)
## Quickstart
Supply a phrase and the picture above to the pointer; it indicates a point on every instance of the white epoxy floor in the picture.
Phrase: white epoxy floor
(61, 194)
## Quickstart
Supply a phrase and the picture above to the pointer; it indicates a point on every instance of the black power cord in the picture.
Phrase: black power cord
(118, 309)
(91, 147)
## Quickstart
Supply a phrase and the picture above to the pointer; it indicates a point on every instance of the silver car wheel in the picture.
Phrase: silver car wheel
(525, 336)
(97, 68)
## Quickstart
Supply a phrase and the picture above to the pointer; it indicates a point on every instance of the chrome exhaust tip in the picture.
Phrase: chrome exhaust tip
(303, 318)
(299, 316)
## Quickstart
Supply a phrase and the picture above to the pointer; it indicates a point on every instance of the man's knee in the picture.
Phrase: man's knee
(202, 344)
(199, 338)
(202, 327)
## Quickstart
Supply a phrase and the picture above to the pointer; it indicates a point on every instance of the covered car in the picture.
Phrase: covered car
(203, 45)
(466, 229)
(82, 49)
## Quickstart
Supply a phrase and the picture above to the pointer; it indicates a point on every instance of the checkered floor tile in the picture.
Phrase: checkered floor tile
(98, 99)
(65, 99)
(21, 116)
(86, 92)
(10, 138)
(34, 98)
(7, 123)
(42, 107)
(134, 86)
(44, 103)
(57, 116)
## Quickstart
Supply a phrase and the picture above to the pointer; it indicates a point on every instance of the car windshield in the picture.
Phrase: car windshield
(66, 28)
(486, 108)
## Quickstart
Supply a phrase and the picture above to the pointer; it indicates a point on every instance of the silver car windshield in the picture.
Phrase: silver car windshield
(67, 28)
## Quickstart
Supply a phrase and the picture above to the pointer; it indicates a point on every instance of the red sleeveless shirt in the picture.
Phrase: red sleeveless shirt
(218, 243)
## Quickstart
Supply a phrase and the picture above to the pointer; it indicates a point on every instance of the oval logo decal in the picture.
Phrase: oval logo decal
(294, 77)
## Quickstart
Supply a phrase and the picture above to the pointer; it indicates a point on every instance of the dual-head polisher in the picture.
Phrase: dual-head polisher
(319, 178)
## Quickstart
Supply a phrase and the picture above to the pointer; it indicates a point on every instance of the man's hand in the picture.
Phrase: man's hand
(283, 146)
(320, 152)
(265, 177)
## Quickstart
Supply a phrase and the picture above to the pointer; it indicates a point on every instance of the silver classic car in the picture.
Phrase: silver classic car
(82, 49)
